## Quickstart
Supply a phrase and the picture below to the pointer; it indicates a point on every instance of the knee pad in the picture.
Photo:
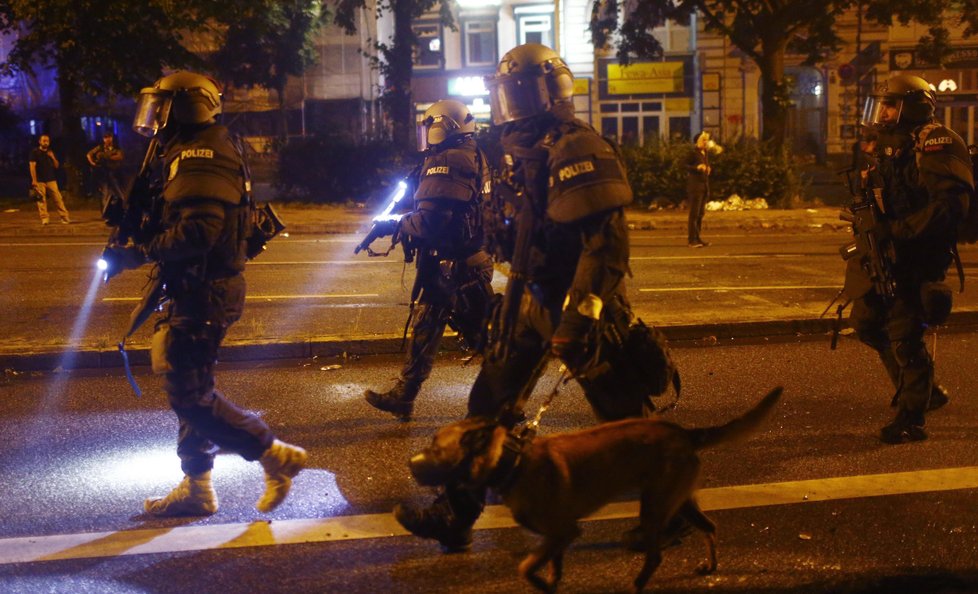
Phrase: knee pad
(936, 299)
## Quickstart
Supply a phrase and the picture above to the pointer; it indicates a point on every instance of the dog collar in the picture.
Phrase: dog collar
(508, 467)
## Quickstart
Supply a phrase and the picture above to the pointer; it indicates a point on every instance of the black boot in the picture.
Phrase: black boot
(436, 522)
(938, 397)
(906, 427)
(399, 400)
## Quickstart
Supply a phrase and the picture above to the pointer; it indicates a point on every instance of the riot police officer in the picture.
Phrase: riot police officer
(444, 235)
(200, 257)
(922, 182)
(558, 220)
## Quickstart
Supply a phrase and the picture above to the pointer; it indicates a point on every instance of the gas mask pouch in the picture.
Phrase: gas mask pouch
(162, 340)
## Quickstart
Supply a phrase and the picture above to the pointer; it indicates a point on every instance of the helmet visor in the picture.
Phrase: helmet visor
(152, 112)
(513, 98)
(434, 130)
(881, 111)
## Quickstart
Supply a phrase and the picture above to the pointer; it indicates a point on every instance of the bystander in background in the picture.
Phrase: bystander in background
(698, 185)
(106, 160)
(43, 164)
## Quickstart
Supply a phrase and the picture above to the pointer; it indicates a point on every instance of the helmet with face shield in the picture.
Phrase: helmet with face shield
(443, 121)
(182, 98)
(529, 80)
(903, 99)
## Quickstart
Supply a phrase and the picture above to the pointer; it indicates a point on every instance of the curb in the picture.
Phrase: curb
(689, 335)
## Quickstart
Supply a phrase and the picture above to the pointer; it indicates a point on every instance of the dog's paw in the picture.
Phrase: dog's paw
(706, 568)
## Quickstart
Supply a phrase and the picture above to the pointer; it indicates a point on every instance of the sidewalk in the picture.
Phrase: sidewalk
(22, 221)
(23, 224)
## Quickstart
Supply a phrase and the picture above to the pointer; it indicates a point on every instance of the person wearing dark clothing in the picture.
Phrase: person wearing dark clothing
(698, 187)
(199, 257)
(922, 181)
(444, 234)
(43, 164)
(106, 162)
(557, 217)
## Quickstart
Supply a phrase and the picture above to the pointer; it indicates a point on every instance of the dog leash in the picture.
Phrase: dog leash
(531, 428)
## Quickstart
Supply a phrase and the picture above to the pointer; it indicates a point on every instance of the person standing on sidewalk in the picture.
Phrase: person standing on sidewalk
(43, 164)
(698, 187)
(444, 233)
(200, 255)
(922, 183)
(106, 160)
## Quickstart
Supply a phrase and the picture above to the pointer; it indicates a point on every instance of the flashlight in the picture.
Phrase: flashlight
(395, 198)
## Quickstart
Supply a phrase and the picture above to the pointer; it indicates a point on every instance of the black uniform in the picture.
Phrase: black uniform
(453, 271)
(924, 180)
(575, 183)
(201, 257)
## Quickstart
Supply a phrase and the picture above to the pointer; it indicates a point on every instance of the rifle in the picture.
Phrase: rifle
(874, 253)
(135, 218)
(385, 223)
(504, 322)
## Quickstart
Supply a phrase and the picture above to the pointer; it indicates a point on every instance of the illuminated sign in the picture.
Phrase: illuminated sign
(582, 86)
(467, 86)
(643, 78)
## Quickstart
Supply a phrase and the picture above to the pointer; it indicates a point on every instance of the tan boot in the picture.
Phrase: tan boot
(281, 461)
(194, 496)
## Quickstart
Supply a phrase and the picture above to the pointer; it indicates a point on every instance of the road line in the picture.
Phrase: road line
(397, 261)
(736, 288)
(31, 549)
(274, 297)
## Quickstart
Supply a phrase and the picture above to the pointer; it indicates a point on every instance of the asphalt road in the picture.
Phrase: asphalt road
(312, 286)
(813, 502)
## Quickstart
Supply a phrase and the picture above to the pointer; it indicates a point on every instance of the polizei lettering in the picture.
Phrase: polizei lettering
(575, 169)
(442, 170)
(197, 153)
(938, 140)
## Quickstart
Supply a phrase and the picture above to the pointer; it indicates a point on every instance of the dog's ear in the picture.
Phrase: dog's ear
(484, 460)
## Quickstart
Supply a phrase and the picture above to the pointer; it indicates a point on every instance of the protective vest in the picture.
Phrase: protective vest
(944, 166)
(586, 173)
(203, 164)
(456, 173)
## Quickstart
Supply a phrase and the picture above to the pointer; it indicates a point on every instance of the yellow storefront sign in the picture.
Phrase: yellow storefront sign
(582, 86)
(642, 78)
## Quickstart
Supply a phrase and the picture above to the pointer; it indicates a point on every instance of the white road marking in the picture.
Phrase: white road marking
(30, 549)
(737, 288)
(275, 297)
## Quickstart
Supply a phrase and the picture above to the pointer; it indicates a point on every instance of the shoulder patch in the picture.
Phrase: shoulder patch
(197, 153)
(437, 170)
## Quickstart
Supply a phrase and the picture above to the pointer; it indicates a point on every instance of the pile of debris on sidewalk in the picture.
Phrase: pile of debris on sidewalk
(735, 202)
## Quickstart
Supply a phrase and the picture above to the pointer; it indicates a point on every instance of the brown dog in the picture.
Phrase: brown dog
(551, 482)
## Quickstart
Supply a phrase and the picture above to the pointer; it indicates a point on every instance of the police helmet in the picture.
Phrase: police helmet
(530, 80)
(183, 97)
(903, 99)
(445, 120)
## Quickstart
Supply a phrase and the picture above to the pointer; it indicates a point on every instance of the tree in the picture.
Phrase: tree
(395, 60)
(105, 48)
(268, 42)
(767, 31)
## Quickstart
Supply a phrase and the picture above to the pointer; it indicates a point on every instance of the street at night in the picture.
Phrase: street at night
(812, 502)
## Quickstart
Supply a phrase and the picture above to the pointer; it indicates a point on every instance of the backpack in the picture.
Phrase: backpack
(968, 224)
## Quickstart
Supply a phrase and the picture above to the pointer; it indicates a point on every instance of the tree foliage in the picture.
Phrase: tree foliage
(268, 41)
(394, 58)
(766, 31)
(105, 48)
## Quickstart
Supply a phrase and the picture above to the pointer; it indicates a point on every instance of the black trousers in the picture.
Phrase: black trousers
(196, 323)
(697, 196)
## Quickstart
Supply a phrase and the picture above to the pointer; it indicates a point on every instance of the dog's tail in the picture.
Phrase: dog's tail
(737, 428)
